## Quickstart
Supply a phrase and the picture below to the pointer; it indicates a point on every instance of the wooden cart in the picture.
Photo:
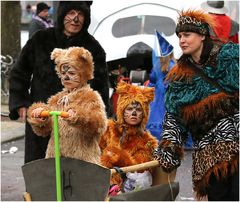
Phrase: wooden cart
(67, 179)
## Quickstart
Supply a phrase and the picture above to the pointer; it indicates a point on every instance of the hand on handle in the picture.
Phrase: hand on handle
(49, 113)
(70, 113)
(36, 113)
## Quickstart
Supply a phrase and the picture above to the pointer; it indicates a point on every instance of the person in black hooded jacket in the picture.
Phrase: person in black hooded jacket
(33, 77)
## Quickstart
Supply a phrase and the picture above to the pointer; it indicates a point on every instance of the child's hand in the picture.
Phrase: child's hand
(71, 113)
(114, 190)
(37, 112)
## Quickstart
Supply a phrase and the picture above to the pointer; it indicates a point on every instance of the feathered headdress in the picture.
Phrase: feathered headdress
(195, 21)
(128, 94)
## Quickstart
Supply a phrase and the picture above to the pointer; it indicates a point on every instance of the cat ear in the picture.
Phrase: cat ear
(86, 55)
(56, 53)
(122, 88)
(149, 93)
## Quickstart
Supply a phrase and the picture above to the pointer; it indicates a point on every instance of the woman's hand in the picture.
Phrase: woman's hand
(22, 111)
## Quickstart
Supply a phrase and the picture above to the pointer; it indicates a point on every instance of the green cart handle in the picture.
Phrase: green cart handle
(58, 113)
(55, 115)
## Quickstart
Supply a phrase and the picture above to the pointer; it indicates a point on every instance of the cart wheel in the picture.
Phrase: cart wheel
(27, 196)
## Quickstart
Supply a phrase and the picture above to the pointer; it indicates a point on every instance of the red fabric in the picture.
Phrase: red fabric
(114, 102)
(146, 83)
(234, 38)
(223, 28)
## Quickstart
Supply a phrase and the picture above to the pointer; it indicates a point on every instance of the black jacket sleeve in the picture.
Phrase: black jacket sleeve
(101, 77)
(19, 81)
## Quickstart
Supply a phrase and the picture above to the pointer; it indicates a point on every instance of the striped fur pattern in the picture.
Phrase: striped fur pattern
(218, 150)
(169, 153)
(225, 131)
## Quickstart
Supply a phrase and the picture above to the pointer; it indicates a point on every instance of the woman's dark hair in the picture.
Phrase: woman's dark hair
(207, 47)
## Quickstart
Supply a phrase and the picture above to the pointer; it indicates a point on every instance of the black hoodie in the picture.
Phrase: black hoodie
(65, 6)
(33, 77)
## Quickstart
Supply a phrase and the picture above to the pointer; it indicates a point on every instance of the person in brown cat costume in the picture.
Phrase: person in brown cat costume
(126, 141)
(79, 134)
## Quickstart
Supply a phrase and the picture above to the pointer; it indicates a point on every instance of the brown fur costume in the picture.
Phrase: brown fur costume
(123, 144)
(79, 134)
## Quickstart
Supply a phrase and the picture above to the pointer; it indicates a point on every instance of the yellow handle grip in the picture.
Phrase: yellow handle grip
(64, 114)
(45, 114)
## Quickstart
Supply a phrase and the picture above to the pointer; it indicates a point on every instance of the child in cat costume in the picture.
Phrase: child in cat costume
(126, 142)
(79, 134)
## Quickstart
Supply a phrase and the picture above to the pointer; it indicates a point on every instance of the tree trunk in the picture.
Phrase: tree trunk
(10, 41)
(10, 28)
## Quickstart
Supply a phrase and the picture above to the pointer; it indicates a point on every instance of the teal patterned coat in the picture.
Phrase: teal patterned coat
(209, 111)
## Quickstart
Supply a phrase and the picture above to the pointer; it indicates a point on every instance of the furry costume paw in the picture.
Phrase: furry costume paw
(41, 126)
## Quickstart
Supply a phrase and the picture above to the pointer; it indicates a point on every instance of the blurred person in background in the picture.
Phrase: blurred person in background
(27, 14)
(40, 20)
(226, 29)
(29, 10)
(163, 60)
(33, 77)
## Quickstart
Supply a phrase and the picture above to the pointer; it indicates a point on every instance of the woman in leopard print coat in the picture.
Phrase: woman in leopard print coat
(203, 98)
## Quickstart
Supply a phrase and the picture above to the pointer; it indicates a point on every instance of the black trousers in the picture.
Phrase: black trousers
(225, 189)
(35, 146)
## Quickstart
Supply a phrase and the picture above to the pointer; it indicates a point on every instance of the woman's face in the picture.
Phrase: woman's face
(191, 43)
(133, 114)
(73, 22)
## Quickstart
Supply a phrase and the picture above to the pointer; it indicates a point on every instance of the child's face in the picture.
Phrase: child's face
(69, 77)
(133, 114)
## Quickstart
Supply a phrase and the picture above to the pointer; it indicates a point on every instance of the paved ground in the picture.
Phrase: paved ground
(12, 133)
(12, 182)
(10, 130)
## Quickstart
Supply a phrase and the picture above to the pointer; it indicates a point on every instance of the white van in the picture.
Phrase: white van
(126, 31)
(123, 26)
(126, 28)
